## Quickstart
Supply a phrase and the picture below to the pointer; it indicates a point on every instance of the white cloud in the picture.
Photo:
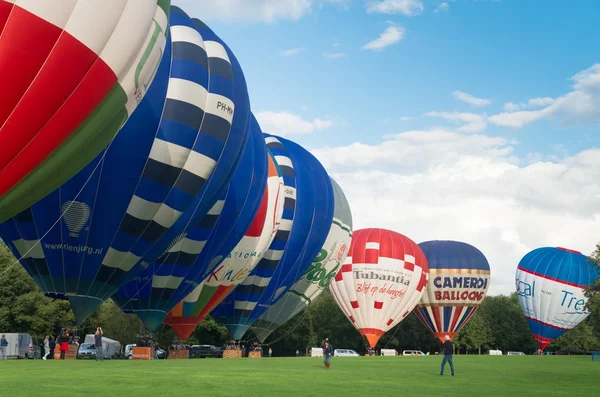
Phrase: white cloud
(440, 184)
(511, 107)
(442, 7)
(286, 123)
(405, 118)
(471, 122)
(534, 102)
(470, 99)
(292, 52)
(266, 11)
(334, 55)
(391, 35)
(581, 105)
(407, 7)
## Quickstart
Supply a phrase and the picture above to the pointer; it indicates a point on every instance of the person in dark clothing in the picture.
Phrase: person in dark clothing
(447, 348)
(98, 344)
(327, 352)
(51, 346)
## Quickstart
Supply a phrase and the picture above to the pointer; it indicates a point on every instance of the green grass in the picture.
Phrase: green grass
(481, 376)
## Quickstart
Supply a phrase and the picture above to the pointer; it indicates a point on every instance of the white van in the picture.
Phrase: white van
(495, 352)
(389, 352)
(21, 346)
(412, 353)
(345, 353)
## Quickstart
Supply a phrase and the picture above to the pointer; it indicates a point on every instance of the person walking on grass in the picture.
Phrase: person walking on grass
(98, 343)
(46, 347)
(327, 353)
(447, 348)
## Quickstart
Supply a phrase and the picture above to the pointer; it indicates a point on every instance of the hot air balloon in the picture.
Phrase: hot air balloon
(118, 208)
(319, 274)
(237, 265)
(203, 246)
(279, 270)
(71, 73)
(459, 277)
(382, 280)
(550, 284)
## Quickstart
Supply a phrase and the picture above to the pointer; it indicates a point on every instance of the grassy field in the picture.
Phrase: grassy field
(348, 376)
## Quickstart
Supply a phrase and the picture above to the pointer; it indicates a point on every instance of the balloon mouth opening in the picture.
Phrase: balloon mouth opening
(568, 250)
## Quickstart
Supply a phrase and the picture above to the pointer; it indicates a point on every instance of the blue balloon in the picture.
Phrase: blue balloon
(280, 268)
(204, 244)
(550, 284)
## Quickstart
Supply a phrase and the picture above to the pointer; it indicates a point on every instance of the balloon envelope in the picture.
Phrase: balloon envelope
(119, 209)
(383, 278)
(71, 75)
(237, 265)
(459, 277)
(550, 284)
(319, 274)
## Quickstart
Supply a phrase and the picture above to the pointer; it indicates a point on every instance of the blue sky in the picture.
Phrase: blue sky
(498, 50)
(469, 120)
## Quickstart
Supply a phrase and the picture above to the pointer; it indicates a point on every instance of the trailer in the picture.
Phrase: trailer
(21, 346)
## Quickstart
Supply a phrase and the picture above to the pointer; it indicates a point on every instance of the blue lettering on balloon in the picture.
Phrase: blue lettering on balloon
(525, 289)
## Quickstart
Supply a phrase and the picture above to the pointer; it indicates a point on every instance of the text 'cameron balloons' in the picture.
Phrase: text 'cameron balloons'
(459, 277)
(71, 74)
(382, 280)
(119, 208)
(550, 284)
(319, 274)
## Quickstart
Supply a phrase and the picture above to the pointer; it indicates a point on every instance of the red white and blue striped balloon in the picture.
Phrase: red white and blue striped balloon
(550, 284)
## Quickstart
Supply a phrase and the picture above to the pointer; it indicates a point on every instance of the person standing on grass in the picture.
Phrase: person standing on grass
(98, 343)
(327, 352)
(3, 347)
(64, 344)
(447, 348)
(51, 346)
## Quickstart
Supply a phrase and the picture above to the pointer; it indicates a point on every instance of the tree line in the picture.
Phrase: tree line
(498, 323)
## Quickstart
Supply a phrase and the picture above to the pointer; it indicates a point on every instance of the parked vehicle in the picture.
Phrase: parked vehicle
(127, 352)
(345, 353)
(162, 354)
(413, 353)
(21, 346)
(203, 351)
(86, 351)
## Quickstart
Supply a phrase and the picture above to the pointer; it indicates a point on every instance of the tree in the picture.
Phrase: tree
(593, 292)
(476, 334)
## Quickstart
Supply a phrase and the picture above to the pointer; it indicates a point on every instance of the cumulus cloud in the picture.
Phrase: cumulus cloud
(470, 99)
(581, 105)
(391, 35)
(469, 122)
(286, 123)
(440, 184)
(266, 11)
(407, 7)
